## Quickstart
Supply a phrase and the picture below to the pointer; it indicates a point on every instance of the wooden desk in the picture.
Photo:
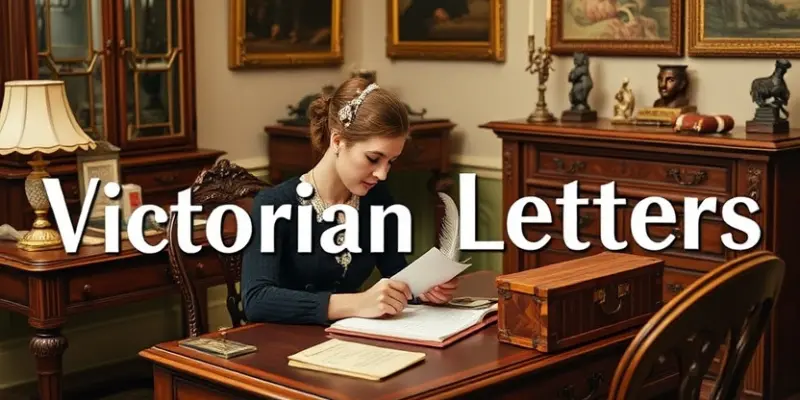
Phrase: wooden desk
(50, 286)
(290, 150)
(477, 367)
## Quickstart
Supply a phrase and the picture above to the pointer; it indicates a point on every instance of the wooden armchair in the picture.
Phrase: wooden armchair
(733, 301)
(224, 183)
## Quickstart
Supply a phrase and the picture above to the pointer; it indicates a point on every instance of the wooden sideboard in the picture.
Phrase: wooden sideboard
(539, 159)
(290, 151)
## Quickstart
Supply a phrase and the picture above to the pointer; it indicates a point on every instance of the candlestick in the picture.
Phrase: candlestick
(531, 29)
(540, 63)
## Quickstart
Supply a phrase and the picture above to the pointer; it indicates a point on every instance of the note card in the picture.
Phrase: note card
(354, 359)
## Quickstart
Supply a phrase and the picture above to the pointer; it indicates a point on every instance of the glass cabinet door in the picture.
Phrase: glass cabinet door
(71, 47)
(153, 86)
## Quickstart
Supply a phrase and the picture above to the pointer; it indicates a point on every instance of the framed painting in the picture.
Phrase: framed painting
(744, 28)
(446, 29)
(617, 28)
(275, 33)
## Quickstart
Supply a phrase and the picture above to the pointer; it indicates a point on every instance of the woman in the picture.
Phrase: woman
(361, 131)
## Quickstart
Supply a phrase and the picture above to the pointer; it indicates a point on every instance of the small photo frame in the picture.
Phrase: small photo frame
(101, 163)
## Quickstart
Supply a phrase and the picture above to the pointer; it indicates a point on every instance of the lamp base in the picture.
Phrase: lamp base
(41, 236)
(40, 239)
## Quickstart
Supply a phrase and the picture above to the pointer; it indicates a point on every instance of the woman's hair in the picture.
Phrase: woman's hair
(380, 114)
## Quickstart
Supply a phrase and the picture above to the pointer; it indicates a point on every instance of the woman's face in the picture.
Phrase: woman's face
(363, 164)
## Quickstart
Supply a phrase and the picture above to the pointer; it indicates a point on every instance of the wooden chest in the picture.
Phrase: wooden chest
(574, 302)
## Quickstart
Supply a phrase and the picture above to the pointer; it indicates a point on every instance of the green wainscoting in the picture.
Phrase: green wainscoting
(111, 336)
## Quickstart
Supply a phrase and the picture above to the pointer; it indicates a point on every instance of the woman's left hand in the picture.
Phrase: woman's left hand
(440, 294)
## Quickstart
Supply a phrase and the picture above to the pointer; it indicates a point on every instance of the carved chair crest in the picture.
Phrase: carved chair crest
(224, 183)
(732, 302)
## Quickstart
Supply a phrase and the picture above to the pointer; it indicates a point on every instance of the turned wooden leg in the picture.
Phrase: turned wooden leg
(48, 346)
(439, 182)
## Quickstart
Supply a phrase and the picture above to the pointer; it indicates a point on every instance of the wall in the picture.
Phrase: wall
(233, 107)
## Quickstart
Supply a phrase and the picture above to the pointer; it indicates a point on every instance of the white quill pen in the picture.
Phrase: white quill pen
(449, 240)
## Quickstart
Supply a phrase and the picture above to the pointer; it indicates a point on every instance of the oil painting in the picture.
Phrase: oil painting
(755, 28)
(616, 27)
(446, 29)
(276, 33)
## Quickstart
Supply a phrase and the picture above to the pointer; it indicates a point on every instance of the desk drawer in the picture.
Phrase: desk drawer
(650, 171)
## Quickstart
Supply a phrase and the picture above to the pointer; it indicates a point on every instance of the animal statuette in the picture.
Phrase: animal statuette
(582, 84)
(771, 95)
(626, 102)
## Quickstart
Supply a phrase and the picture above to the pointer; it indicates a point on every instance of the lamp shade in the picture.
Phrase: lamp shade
(36, 117)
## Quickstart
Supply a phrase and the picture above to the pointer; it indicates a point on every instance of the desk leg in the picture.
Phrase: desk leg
(439, 182)
(47, 346)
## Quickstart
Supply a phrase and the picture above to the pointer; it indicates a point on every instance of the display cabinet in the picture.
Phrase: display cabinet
(128, 67)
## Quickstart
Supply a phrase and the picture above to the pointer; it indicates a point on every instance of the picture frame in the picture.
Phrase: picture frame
(302, 38)
(716, 32)
(101, 162)
(656, 30)
(472, 31)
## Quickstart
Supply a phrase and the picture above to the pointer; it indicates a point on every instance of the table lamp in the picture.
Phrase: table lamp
(36, 119)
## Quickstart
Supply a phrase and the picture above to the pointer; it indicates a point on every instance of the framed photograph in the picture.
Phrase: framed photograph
(621, 28)
(446, 29)
(101, 163)
(744, 28)
(275, 33)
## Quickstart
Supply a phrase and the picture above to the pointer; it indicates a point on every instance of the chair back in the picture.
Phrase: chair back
(733, 302)
(223, 184)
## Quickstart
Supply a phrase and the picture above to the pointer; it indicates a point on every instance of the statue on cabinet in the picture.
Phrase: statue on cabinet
(673, 87)
(626, 102)
(299, 113)
(768, 117)
(582, 85)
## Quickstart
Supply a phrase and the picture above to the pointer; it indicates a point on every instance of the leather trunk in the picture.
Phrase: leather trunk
(571, 303)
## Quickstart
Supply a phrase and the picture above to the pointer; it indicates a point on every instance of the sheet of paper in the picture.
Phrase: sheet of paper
(418, 322)
(357, 358)
(431, 269)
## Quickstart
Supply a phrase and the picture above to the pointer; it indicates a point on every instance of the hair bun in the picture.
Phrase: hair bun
(318, 114)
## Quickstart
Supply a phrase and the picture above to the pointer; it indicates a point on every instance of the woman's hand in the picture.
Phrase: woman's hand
(385, 297)
(440, 294)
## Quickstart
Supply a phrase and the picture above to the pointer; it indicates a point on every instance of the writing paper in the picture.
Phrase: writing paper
(354, 359)
(431, 269)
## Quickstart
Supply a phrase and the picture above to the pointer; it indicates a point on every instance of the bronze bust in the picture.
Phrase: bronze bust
(673, 84)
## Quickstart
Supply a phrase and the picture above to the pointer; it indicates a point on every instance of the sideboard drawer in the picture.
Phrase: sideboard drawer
(645, 170)
(116, 280)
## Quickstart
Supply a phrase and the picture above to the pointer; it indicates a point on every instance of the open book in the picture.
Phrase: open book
(425, 325)
(354, 359)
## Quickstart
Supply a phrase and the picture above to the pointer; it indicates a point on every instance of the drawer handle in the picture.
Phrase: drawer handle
(166, 179)
(600, 297)
(87, 291)
(695, 178)
(575, 167)
(678, 233)
(675, 287)
(568, 391)
(583, 220)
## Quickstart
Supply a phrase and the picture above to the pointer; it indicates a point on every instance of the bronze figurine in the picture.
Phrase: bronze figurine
(626, 102)
(582, 84)
(768, 117)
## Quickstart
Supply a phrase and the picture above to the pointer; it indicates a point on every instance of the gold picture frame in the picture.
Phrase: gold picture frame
(659, 34)
(482, 25)
(301, 39)
(709, 39)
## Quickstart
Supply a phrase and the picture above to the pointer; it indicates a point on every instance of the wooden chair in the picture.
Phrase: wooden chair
(224, 183)
(733, 301)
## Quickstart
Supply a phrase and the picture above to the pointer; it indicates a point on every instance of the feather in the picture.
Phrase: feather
(449, 241)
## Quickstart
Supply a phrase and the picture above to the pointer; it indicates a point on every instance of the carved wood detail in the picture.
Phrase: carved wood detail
(224, 183)
(754, 183)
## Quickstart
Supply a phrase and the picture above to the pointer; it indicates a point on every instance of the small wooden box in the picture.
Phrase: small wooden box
(574, 302)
